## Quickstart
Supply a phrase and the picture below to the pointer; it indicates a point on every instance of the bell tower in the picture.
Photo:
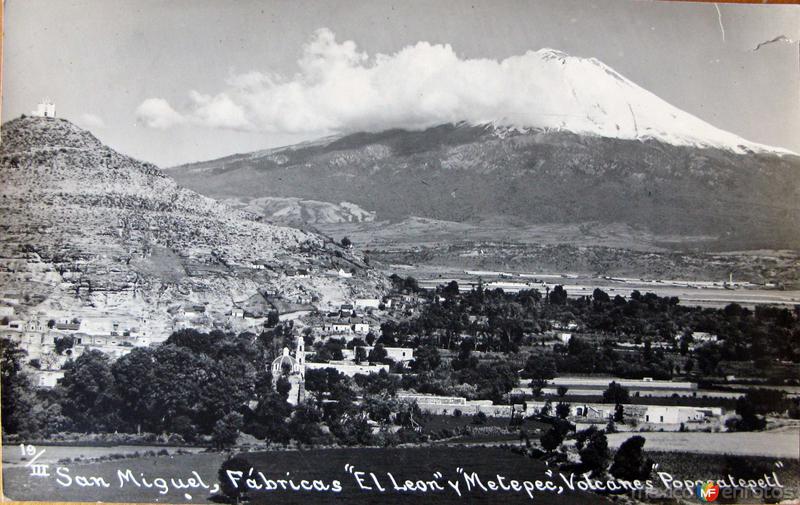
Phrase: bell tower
(300, 354)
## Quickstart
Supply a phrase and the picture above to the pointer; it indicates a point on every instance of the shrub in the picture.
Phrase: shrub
(551, 440)
(616, 394)
(630, 461)
(593, 449)
(226, 430)
(233, 467)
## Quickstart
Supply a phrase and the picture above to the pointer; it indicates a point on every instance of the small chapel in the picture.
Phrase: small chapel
(45, 108)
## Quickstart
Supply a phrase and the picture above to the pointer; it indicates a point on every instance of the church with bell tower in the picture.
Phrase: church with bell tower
(293, 369)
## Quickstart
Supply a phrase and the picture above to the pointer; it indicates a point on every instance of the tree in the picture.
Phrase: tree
(378, 383)
(325, 380)
(558, 296)
(600, 296)
(562, 391)
(493, 381)
(270, 418)
(708, 358)
(616, 393)
(411, 285)
(540, 370)
(183, 426)
(562, 410)
(619, 413)
(90, 394)
(63, 343)
(272, 319)
(426, 358)
(630, 461)
(158, 384)
(226, 430)
(17, 391)
(193, 340)
(749, 419)
(551, 439)
(465, 359)
(451, 289)
(685, 342)
(346, 242)
(232, 475)
(304, 424)
(768, 401)
(378, 354)
(592, 447)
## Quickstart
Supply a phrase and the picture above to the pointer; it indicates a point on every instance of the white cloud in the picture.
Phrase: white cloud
(338, 88)
(158, 113)
(90, 121)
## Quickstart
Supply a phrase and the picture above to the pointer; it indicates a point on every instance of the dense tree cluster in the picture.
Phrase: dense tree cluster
(495, 321)
(213, 385)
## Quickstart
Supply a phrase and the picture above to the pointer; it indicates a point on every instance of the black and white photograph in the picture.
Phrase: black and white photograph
(417, 252)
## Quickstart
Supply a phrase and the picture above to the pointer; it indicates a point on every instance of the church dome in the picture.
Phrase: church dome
(283, 361)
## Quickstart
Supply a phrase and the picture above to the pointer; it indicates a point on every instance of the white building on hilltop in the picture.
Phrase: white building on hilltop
(45, 108)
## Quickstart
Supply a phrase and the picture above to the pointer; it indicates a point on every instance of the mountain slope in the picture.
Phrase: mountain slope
(90, 233)
(470, 173)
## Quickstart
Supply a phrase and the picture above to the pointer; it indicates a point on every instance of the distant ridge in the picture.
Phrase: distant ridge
(467, 173)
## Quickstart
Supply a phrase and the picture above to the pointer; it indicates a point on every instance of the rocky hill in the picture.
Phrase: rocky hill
(88, 233)
(735, 197)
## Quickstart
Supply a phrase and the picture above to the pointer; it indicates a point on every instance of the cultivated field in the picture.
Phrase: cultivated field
(775, 445)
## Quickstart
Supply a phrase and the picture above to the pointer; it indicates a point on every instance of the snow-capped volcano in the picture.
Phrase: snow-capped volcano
(586, 96)
(340, 90)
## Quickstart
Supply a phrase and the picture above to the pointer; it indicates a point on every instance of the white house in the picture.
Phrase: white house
(672, 415)
(194, 311)
(367, 303)
(349, 369)
(702, 336)
(447, 405)
(48, 378)
(361, 327)
(340, 327)
(399, 354)
(45, 108)
(298, 274)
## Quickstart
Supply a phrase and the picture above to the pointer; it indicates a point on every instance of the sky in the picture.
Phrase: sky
(190, 80)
